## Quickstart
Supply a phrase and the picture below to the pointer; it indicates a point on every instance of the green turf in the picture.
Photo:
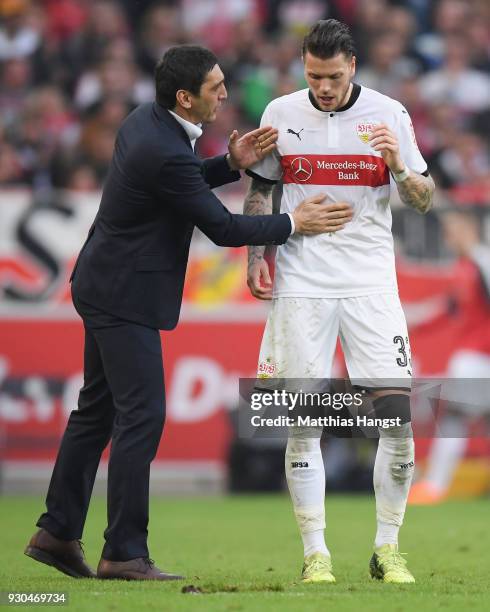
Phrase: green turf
(245, 554)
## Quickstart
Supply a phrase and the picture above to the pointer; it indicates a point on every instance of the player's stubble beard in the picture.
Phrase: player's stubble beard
(345, 97)
(343, 100)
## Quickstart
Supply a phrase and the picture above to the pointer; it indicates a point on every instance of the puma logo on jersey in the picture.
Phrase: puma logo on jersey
(290, 131)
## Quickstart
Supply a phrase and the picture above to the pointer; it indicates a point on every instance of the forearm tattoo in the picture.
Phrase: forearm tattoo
(416, 191)
(258, 201)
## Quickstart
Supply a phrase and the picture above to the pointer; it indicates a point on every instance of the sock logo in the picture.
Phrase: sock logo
(299, 464)
(405, 466)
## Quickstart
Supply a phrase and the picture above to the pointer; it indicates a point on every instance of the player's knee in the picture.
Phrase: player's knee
(393, 406)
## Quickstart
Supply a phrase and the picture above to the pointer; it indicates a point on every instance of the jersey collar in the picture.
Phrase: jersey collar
(354, 95)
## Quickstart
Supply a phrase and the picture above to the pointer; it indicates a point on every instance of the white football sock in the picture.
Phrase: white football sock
(446, 452)
(313, 542)
(393, 471)
(386, 533)
(305, 476)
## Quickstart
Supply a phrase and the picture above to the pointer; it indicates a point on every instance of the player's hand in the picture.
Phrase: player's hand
(259, 280)
(312, 216)
(382, 139)
(251, 147)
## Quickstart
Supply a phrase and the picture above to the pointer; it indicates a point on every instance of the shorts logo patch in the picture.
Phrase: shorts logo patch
(266, 369)
(299, 464)
(364, 129)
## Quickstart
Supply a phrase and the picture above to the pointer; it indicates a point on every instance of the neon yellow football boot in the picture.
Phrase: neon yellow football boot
(388, 565)
(317, 568)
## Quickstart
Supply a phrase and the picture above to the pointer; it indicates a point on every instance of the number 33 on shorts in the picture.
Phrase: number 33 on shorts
(403, 359)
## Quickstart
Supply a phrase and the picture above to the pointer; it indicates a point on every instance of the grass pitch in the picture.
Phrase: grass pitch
(244, 553)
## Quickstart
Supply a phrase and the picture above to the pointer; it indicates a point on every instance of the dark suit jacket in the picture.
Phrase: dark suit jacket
(134, 260)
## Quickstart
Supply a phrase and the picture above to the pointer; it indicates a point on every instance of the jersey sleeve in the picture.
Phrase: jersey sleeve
(269, 169)
(409, 149)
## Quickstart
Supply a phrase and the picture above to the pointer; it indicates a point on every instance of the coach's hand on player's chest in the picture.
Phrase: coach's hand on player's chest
(382, 139)
(315, 216)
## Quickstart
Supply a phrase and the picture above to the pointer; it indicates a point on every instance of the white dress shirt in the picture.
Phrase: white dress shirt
(192, 130)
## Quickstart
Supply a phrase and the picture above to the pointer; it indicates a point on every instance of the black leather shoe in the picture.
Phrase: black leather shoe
(67, 556)
(141, 568)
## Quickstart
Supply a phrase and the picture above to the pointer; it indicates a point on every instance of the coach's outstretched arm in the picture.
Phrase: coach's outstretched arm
(181, 186)
(416, 190)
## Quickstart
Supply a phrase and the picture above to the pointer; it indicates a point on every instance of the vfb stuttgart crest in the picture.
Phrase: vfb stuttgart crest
(364, 129)
(266, 369)
(301, 169)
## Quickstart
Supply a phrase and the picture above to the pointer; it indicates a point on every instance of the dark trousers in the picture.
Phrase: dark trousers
(123, 400)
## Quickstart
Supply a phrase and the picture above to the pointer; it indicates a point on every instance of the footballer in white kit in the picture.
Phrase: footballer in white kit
(354, 145)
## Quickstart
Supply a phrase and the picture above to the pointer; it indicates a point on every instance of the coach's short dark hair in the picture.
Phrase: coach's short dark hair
(182, 67)
(327, 38)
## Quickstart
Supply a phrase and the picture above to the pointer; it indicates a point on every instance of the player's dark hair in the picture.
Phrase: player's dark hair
(327, 38)
(182, 67)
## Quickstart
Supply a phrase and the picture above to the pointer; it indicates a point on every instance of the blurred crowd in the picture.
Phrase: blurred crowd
(71, 70)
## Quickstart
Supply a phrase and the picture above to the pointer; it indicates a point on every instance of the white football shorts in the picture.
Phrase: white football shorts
(301, 334)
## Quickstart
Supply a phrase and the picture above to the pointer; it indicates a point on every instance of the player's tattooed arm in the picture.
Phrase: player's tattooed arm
(258, 201)
(417, 191)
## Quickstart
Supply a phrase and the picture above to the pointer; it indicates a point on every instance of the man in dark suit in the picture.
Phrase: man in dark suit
(127, 284)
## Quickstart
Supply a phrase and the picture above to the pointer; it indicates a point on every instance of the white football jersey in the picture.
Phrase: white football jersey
(328, 152)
